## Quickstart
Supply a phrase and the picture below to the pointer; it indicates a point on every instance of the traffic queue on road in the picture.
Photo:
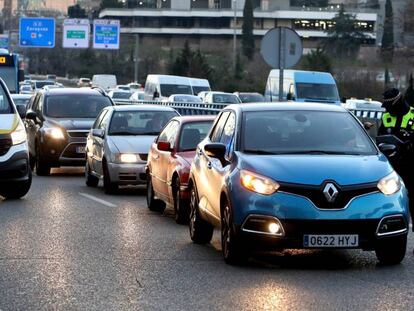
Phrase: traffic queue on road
(270, 176)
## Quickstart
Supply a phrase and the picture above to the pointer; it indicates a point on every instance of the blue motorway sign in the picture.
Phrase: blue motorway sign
(37, 32)
(106, 34)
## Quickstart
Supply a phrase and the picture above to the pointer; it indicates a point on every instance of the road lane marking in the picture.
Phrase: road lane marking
(93, 198)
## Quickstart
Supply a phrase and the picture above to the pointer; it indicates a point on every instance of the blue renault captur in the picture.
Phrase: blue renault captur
(296, 176)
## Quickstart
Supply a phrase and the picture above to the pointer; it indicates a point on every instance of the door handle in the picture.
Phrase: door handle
(209, 165)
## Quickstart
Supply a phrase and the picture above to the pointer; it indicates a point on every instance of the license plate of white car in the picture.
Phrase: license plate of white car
(335, 240)
(80, 149)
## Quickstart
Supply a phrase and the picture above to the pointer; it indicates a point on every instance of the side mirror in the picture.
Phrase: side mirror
(156, 95)
(217, 151)
(20, 75)
(163, 146)
(368, 125)
(98, 133)
(31, 115)
(388, 150)
(21, 110)
(290, 96)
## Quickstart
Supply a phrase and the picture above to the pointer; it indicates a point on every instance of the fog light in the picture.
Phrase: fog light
(274, 228)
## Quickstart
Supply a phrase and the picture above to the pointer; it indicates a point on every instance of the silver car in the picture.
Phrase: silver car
(118, 144)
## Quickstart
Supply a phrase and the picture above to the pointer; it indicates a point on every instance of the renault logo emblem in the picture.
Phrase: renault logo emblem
(330, 192)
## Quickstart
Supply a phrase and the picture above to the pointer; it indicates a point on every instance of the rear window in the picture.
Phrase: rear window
(192, 134)
(75, 105)
(5, 105)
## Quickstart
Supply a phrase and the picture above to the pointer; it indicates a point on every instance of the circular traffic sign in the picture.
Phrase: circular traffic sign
(281, 47)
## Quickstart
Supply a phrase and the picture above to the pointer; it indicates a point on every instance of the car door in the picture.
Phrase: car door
(205, 187)
(159, 159)
(91, 141)
(98, 144)
(165, 158)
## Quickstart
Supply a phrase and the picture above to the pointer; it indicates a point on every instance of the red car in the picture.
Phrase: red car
(169, 162)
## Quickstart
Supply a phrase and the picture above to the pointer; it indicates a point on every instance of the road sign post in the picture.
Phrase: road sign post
(76, 33)
(281, 48)
(37, 32)
(106, 34)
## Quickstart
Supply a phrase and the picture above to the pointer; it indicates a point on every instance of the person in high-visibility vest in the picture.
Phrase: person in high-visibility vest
(398, 120)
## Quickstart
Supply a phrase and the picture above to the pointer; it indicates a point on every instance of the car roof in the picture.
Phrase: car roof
(190, 119)
(287, 106)
(72, 91)
(141, 107)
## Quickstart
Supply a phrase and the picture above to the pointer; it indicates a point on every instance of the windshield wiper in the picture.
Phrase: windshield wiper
(321, 152)
(149, 133)
(258, 151)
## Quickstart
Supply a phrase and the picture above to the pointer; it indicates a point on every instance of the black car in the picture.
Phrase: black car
(57, 124)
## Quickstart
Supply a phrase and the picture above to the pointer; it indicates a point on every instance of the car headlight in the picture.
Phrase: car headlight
(258, 183)
(128, 158)
(19, 134)
(390, 184)
(55, 133)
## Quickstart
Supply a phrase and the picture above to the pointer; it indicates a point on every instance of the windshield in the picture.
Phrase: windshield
(121, 95)
(304, 132)
(9, 76)
(187, 99)
(251, 98)
(139, 122)
(169, 89)
(225, 99)
(75, 106)
(5, 106)
(40, 84)
(317, 91)
(198, 89)
(192, 134)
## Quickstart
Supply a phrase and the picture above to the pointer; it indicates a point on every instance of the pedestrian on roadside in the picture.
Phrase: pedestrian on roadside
(398, 120)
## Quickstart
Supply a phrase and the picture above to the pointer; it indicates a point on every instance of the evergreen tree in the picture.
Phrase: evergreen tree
(317, 60)
(387, 43)
(247, 30)
(75, 11)
(110, 4)
(238, 70)
(344, 37)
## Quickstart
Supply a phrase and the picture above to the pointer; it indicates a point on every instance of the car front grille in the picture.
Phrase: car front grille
(316, 195)
(5, 143)
(77, 134)
(143, 156)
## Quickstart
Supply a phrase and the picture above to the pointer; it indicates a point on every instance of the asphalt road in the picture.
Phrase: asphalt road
(62, 248)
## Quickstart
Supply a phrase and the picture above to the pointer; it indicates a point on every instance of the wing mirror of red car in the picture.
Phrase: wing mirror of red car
(164, 146)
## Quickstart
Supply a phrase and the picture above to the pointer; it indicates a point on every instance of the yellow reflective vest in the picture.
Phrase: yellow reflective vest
(389, 120)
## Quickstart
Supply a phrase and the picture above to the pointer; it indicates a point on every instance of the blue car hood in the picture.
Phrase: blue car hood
(315, 169)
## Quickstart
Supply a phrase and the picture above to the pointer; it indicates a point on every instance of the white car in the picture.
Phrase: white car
(221, 98)
(184, 98)
(137, 96)
(120, 96)
(118, 144)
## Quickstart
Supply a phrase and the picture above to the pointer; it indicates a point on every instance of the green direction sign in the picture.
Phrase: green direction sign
(76, 34)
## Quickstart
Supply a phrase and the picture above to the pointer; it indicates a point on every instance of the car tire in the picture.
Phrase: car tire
(391, 251)
(201, 232)
(152, 203)
(180, 206)
(42, 169)
(234, 253)
(109, 187)
(91, 180)
(18, 189)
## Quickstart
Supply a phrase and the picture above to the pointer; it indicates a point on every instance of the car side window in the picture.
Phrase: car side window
(105, 121)
(99, 119)
(218, 128)
(169, 134)
(227, 138)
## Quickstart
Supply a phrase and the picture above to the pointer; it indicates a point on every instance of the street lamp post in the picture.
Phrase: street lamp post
(234, 33)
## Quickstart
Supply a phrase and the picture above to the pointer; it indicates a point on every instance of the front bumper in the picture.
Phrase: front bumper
(299, 217)
(127, 174)
(14, 165)
(64, 152)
